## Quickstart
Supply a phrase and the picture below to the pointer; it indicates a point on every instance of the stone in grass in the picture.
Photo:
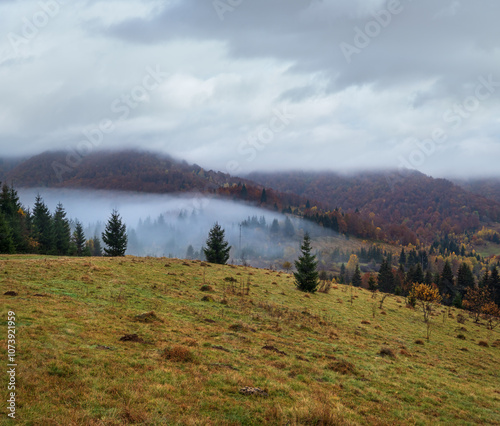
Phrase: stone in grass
(247, 390)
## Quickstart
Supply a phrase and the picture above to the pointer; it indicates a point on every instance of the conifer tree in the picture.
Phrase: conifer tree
(446, 284)
(6, 243)
(115, 236)
(43, 227)
(78, 240)
(275, 227)
(465, 279)
(289, 230)
(62, 231)
(356, 278)
(263, 196)
(217, 250)
(307, 276)
(494, 285)
(385, 278)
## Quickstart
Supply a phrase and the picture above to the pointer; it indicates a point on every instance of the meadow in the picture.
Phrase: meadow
(111, 341)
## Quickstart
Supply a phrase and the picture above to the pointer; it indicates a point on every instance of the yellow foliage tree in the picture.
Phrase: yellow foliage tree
(426, 295)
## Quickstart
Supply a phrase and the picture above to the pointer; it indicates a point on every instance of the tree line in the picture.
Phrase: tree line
(40, 231)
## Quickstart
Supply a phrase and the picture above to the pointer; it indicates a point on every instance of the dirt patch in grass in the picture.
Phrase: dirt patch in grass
(419, 342)
(132, 338)
(386, 351)
(342, 367)
(247, 390)
(483, 343)
(10, 293)
(273, 349)
(147, 317)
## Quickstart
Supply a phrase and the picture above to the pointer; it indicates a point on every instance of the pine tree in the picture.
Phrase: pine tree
(446, 284)
(190, 252)
(217, 250)
(78, 240)
(6, 242)
(115, 236)
(372, 284)
(307, 276)
(94, 246)
(402, 257)
(244, 192)
(275, 227)
(494, 285)
(62, 231)
(356, 278)
(385, 278)
(263, 196)
(465, 279)
(342, 276)
(43, 227)
(288, 230)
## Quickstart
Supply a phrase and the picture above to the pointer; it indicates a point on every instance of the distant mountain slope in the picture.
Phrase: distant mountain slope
(425, 205)
(126, 170)
(489, 188)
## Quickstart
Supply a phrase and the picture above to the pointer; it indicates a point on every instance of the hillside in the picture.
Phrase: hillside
(316, 358)
(425, 205)
(489, 188)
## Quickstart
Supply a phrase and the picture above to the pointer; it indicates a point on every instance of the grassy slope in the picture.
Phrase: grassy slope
(65, 378)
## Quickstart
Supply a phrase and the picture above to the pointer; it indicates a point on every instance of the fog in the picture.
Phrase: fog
(166, 225)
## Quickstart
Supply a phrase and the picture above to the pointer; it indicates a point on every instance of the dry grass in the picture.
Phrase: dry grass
(187, 365)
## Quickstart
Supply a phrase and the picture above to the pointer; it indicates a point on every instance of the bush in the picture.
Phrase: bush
(178, 354)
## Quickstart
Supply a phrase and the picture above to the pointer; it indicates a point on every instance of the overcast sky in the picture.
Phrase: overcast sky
(244, 85)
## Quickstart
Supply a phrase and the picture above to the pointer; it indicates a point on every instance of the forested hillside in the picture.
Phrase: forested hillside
(428, 207)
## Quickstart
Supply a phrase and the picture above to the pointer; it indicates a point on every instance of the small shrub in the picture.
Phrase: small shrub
(461, 318)
(206, 287)
(178, 354)
(342, 367)
(483, 343)
(461, 337)
(386, 351)
(207, 298)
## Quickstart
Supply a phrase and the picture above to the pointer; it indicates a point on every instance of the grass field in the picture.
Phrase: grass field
(317, 359)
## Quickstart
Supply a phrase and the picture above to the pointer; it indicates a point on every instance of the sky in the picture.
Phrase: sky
(249, 85)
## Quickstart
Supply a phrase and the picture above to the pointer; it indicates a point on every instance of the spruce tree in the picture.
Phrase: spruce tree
(115, 236)
(289, 230)
(78, 240)
(275, 227)
(217, 250)
(62, 231)
(494, 285)
(356, 278)
(263, 196)
(385, 278)
(446, 284)
(6, 242)
(307, 276)
(465, 279)
(43, 227)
